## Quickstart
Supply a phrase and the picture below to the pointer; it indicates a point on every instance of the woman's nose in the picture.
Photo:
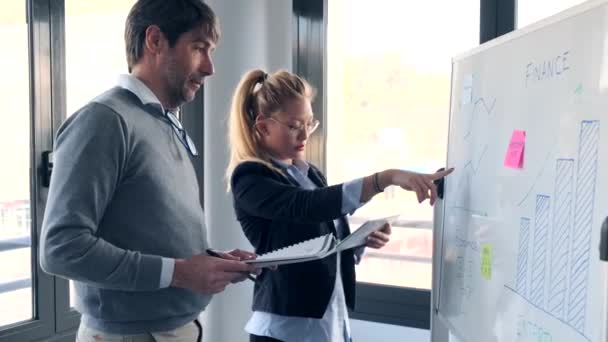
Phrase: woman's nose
(303, 134)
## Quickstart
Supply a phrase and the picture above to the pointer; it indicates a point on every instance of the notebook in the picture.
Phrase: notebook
(319, 247)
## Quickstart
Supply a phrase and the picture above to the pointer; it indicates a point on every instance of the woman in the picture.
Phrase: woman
(281, 200)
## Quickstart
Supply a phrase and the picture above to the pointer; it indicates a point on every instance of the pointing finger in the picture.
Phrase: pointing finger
(441, 174)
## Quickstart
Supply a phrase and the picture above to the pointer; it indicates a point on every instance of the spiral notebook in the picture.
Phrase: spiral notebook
(319, 247)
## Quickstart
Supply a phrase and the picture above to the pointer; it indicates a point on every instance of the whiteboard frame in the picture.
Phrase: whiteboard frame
(439, 330)
(439, 326)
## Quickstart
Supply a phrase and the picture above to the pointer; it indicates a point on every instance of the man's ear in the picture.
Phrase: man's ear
(155, 40)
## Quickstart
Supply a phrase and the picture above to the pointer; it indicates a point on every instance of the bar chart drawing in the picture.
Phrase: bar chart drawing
(522, 256)
(539, 252)
(583, 219)
(562, 227)
(553, 257)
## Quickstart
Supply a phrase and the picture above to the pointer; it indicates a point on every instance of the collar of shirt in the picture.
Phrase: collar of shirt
(301, 165)
(137, 87)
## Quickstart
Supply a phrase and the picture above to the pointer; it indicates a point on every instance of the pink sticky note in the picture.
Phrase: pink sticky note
(515, 152)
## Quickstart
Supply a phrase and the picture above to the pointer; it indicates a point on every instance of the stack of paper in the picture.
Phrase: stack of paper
(319, 247)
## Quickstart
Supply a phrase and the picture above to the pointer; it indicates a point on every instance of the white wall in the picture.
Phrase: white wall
(255, 34)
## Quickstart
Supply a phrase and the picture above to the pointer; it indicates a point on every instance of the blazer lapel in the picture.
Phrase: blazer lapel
(316, 177)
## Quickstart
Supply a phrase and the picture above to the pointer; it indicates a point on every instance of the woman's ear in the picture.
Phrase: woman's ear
(261, 126)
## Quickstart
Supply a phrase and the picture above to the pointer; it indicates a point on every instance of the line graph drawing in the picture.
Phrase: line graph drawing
(562, 225)
(583, 217)
(539, 251)
(465, 181)
(538, 175)
(479, 103)
(522, 256)
(474, 169)
(469, 171)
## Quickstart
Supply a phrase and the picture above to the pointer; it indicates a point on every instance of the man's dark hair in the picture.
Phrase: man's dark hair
(173, 17)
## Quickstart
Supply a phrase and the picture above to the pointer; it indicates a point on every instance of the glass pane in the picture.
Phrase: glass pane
(389, 69)
(95, 47)
(95, 51)
(530, 11)
(15, 221)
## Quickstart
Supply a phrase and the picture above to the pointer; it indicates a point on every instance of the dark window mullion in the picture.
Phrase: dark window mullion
(43, 323)
(40, 45)
(66, 318)
(309, 61)
(496, 18)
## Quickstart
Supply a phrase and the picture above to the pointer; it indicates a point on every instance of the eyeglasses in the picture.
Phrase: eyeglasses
(181, 133)
(295, 129)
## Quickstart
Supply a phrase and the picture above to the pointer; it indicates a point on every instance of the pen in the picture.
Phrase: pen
(214, 253)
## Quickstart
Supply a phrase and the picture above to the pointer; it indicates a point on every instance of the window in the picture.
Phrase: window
(15, 229)
(388, 76)
(385, 66)
(94, 31)
(44, 37)
(534, 10)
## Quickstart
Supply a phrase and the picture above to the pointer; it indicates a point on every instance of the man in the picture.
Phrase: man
(123, 218)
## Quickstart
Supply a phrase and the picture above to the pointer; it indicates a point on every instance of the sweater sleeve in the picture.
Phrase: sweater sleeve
(89, 158)
(259, 191)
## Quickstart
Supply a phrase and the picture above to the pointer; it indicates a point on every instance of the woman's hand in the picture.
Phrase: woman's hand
(421, 183)
(379, 238)
(240, 255)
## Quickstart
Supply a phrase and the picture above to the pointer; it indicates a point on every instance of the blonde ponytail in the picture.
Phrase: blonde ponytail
(259, 94)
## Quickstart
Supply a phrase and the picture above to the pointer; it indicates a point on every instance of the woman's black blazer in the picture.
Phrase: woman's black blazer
(274, 212)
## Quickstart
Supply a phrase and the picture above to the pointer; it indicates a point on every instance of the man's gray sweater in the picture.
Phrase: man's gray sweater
(123, 195)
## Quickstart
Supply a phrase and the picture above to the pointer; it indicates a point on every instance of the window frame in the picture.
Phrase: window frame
(408, 307)
(42, 325)
(67, 319)
(55, 319)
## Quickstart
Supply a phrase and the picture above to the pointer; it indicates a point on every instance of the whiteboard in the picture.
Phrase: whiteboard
(519, 249)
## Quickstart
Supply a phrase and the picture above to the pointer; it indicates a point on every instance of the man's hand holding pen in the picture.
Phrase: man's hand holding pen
(238, 255)
(208, 274)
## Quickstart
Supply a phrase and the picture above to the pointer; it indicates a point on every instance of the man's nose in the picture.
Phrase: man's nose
(206, 66)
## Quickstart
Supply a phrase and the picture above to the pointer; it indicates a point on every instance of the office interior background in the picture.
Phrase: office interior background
(382, 70)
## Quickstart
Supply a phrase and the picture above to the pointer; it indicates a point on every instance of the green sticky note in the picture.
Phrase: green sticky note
(486, 262)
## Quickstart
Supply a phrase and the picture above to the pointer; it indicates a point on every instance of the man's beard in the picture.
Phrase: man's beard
(176, 85)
